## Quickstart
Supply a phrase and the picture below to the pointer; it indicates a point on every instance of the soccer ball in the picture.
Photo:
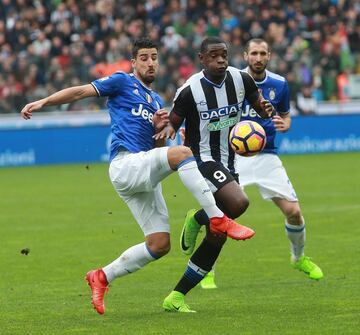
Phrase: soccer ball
(247, 138)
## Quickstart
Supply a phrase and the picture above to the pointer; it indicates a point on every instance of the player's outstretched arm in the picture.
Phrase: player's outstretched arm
(61, 97)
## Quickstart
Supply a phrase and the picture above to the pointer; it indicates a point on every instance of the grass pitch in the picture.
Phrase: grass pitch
(69, 220)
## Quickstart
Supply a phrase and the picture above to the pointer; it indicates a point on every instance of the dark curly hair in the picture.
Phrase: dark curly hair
(142, 43)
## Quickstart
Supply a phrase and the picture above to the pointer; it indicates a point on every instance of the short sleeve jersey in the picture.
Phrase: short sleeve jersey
(275, 89)
(211, 110)
(131, 106)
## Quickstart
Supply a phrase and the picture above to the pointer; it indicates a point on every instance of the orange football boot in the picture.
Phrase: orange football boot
(99, 286)
(230, 228)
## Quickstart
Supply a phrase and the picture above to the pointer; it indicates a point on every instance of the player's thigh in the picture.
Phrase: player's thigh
(228, 194)
(272, 179)
(245, 167)
(149, 210)
(132, 173)
(159, 165)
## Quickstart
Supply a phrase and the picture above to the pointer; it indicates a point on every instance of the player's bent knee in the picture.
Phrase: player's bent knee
(158, 243)
(237, 208)
(160, 248)
(294, 216)
(243, 206)
(178, 154)
(184, 153)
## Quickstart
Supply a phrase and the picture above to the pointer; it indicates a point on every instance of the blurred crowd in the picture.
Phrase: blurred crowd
(49, 45)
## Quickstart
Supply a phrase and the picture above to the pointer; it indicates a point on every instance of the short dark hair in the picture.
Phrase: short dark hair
(208, 41)
(256, 41)
(142, 43)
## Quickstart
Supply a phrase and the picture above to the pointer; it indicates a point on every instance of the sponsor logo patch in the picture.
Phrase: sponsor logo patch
(218, 125)
(220, 112)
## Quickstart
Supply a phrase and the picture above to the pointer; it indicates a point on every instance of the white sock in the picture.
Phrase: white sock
(296, 235)
(129, 261)
(196, 184)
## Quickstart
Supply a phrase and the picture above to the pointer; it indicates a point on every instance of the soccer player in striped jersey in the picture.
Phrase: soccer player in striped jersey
(266, 170)
(210, 103)
(137, 168)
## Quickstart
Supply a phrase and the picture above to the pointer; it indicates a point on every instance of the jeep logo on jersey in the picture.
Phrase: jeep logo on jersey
(219, 112)
(249, 112)
(144, 113)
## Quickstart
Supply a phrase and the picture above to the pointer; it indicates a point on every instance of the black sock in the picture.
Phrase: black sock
(200, 263)
(201, 217)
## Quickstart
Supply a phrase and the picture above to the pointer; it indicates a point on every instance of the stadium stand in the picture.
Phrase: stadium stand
(47, 45)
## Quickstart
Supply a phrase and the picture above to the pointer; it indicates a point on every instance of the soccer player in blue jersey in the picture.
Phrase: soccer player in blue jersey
(266, 170)
(137, 167)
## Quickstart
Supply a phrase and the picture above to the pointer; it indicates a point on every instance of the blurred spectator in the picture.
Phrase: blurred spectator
(41, 45)
(229, 20)
(171, 40)
(305, 103)
(314, 43)
(343, 85)
(186, 68)
(183, 27)
(214, 26)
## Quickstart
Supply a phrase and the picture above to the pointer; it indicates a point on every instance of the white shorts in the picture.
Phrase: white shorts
(267, 172)
(136, 178)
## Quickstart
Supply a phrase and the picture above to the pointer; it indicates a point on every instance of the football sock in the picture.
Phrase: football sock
(296, 235)
(129, 261)
(201, 217)
(196, 184)
(200, 263)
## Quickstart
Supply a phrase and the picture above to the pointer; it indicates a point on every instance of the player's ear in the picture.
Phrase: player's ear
(133, 63)
(245, 55)
(201, 57)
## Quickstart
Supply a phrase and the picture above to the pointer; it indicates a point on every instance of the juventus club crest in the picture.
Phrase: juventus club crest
(272, 93)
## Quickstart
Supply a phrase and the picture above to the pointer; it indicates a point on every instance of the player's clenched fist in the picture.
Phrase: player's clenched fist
(160, 119)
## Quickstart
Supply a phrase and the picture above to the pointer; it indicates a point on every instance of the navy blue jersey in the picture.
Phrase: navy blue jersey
(131, 106)
(275, 89)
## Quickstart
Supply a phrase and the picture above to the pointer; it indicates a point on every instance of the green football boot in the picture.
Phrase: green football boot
(305, 264)
(175, 302)
(189, 233)
(209, 281)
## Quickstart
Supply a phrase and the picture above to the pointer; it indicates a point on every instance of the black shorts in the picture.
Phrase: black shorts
(217, 174)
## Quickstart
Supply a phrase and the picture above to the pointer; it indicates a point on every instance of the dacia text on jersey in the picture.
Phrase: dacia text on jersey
(219, 112)
(144, 113)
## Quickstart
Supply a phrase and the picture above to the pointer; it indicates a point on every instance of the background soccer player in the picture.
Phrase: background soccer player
(136, 167)
(210, 103)
(266, 170)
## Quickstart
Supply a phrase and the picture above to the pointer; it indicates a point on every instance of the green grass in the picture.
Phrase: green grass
(72, 220)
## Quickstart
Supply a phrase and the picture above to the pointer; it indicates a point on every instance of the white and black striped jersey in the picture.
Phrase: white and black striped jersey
(210, 111)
